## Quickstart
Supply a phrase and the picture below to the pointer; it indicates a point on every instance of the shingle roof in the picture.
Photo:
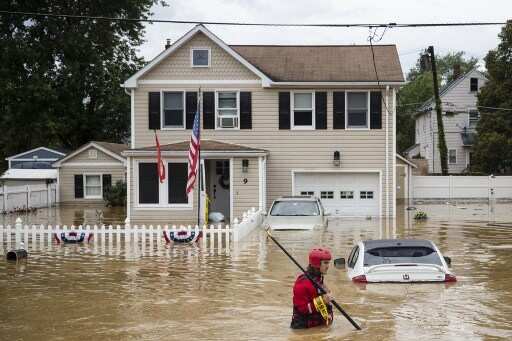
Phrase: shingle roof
(327, 63)
(206, 145)
(116, 148)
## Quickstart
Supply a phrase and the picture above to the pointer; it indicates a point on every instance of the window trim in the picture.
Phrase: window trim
(196, 48)
(292, 110)
(84, 179)
(469, 116)
(237, 91)
(347, 198)
(367, 110)
(449, 162)
(162, 112)
(163, 188)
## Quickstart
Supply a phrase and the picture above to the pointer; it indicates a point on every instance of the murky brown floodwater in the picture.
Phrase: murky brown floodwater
(86, 292)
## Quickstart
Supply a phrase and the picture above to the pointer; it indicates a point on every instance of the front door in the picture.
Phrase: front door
(218, 187)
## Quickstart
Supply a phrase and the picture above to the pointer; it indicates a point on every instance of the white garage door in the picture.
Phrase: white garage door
(342, 194)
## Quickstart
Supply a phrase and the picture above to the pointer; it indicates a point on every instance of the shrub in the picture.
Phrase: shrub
(420, 215)
(116, 194)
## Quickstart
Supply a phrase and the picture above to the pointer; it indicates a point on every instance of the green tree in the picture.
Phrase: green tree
(493, 150)
(60, 77)
(419, 88)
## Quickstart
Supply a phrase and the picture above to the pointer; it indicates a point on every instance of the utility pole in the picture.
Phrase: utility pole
(443, 151)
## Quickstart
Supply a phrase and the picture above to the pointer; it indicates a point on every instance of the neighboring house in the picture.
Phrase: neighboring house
(460, 116)
(275, 120)
(31, 167)
(84, 174)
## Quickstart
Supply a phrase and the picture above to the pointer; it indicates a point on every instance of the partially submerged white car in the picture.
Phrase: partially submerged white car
(397, 260)
(296, 213)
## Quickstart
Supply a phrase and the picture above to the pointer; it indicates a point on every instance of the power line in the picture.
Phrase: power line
(493, 108)
(369, 25)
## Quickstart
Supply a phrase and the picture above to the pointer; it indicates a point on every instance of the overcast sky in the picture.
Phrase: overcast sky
(475, 41)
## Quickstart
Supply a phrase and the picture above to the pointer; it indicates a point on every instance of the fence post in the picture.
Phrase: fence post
(19, 226)
(235, 228)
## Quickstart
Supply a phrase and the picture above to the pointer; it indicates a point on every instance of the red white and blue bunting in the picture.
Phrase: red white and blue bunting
(183, 236)
(72, 237)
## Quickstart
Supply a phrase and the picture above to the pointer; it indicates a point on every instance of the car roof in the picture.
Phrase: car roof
(297, 198)
(372, 244)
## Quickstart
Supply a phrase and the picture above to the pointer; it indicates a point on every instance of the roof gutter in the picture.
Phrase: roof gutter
(365, 83)
(204, 154)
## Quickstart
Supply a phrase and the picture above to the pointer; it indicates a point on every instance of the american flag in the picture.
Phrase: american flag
(193, 154)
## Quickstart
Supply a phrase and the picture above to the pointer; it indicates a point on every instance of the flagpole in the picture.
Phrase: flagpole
(199, 160)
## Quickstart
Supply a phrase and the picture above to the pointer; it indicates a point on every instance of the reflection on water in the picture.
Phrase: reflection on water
(75, 292)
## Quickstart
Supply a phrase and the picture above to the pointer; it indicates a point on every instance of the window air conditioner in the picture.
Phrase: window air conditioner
(228, 122)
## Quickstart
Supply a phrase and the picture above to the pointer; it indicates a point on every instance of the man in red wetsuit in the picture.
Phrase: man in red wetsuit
(308, 304)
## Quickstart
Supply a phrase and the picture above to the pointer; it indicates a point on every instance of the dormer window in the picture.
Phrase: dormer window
(200, 57)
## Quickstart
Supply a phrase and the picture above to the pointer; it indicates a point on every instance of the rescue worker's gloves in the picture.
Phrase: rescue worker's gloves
(316, 256)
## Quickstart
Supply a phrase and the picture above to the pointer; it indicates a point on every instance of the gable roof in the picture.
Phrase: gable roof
(113, 149)
(132, 81)
(327, 63)
(58, 154)
(279, 65)
(445, 89)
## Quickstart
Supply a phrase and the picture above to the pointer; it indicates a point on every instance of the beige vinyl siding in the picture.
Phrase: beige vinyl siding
(67, 180)
(84, 157)
(245, 196)
(178, 65)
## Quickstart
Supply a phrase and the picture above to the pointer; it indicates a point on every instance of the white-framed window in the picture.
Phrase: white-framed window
(452, 156)
(200, 57)
(92, 154)
(307, 193)
(366, 195)
(327, 195)
(474, 117)
(347, 195)
(227, 112)
(303, 110)
(153, 194)
(93, 187)
(358, 110)
(173, 110)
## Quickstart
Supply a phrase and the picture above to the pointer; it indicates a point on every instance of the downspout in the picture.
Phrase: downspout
(393, 148)
(387, 151)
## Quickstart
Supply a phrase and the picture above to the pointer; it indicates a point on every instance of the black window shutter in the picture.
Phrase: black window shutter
(338, 110)
(107, 182)
(375, 110)
(320, 110)
(191, 105)
(208, 110)
(284, 110)
(154, 110)
(177, 183)
(148, 183)
(79, 186)
(245, 110)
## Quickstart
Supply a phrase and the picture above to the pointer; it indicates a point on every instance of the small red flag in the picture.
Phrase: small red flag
(159, 163)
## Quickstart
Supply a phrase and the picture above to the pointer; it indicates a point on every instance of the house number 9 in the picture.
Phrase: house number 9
(245, 180)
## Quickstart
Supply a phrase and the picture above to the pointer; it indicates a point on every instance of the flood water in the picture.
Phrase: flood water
(185, 292)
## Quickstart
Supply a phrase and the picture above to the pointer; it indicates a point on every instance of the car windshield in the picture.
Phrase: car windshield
(401, 254)
(295, 208)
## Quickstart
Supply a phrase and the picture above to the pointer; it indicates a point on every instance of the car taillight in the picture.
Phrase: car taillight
(450, 278)
(360, 279)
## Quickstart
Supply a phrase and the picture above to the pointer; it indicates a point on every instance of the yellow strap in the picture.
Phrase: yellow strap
(321, 308)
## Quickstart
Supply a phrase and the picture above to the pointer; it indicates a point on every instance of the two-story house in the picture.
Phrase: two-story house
(460, 116)
(275, 121)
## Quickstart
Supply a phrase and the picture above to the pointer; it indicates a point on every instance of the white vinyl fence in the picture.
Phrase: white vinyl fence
(462, 187)
(147, 239)
(16, 198)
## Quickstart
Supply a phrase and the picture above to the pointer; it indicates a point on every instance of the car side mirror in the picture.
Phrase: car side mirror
(326, 214)
(264, 212)
(448, 260)
(339, 263)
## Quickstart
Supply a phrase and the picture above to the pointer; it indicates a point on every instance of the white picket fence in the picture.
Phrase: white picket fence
(14, 198)
(146, 238)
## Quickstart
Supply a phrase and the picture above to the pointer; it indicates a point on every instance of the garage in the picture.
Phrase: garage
(342, 193)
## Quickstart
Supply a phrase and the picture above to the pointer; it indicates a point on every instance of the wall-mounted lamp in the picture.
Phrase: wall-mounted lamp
(245, 166)
(336, 159)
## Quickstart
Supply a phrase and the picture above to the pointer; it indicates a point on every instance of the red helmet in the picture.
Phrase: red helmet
(318, 255)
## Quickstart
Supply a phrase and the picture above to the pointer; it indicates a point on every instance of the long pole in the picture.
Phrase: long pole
(315, 284)
(199, 179)
(443, 152)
